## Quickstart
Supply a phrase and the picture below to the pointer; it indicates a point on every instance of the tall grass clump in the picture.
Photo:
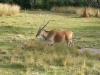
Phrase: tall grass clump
(8, 10)
(31, 57)
(32, 54)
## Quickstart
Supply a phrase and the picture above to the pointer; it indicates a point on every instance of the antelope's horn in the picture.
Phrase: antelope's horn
(47, 23)
(42, 25)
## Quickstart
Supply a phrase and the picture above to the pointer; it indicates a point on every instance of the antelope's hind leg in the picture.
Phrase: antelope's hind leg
(50, 43)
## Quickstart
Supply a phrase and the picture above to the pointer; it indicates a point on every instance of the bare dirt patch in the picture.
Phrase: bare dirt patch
(92, 50)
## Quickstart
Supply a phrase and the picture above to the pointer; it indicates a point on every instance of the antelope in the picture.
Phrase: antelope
(54, 36)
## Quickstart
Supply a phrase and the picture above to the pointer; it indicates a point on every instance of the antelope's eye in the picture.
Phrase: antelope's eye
(40, 30)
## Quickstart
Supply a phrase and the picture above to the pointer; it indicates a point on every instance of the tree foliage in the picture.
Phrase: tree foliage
(47, 4)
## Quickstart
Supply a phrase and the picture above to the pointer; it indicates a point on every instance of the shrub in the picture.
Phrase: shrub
(8, 10)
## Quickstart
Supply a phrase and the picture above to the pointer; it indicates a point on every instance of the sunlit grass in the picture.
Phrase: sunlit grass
(22, 53)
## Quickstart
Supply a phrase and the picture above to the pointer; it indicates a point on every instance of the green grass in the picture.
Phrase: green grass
(22, 53)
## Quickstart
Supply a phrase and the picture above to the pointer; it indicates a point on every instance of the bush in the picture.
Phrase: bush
(8, 10)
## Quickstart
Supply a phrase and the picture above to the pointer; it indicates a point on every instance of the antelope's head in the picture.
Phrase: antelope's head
(41, 29)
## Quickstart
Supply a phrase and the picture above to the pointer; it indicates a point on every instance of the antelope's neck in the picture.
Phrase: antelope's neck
(45, 34)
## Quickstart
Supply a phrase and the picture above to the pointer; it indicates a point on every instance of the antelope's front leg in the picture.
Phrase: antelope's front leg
(48, 44)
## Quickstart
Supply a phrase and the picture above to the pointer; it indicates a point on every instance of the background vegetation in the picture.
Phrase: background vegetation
(75, 10)
(48, 4)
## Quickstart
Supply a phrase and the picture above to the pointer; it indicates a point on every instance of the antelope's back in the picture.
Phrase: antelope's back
(56, 35)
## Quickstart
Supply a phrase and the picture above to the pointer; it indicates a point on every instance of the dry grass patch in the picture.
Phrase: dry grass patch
(68, 9)
(7, 10)
(75, 10)
(91, 11)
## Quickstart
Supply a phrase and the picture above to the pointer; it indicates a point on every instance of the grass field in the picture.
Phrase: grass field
(21, 53)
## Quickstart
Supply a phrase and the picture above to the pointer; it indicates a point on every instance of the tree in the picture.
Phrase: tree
(7, 1)
(48, 4)
(85, 14)
(44, 3)
(33, 3)
(93, 3)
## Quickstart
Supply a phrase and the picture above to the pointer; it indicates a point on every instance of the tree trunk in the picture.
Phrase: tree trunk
(33, 3)
(85, 14)
(97, 14)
